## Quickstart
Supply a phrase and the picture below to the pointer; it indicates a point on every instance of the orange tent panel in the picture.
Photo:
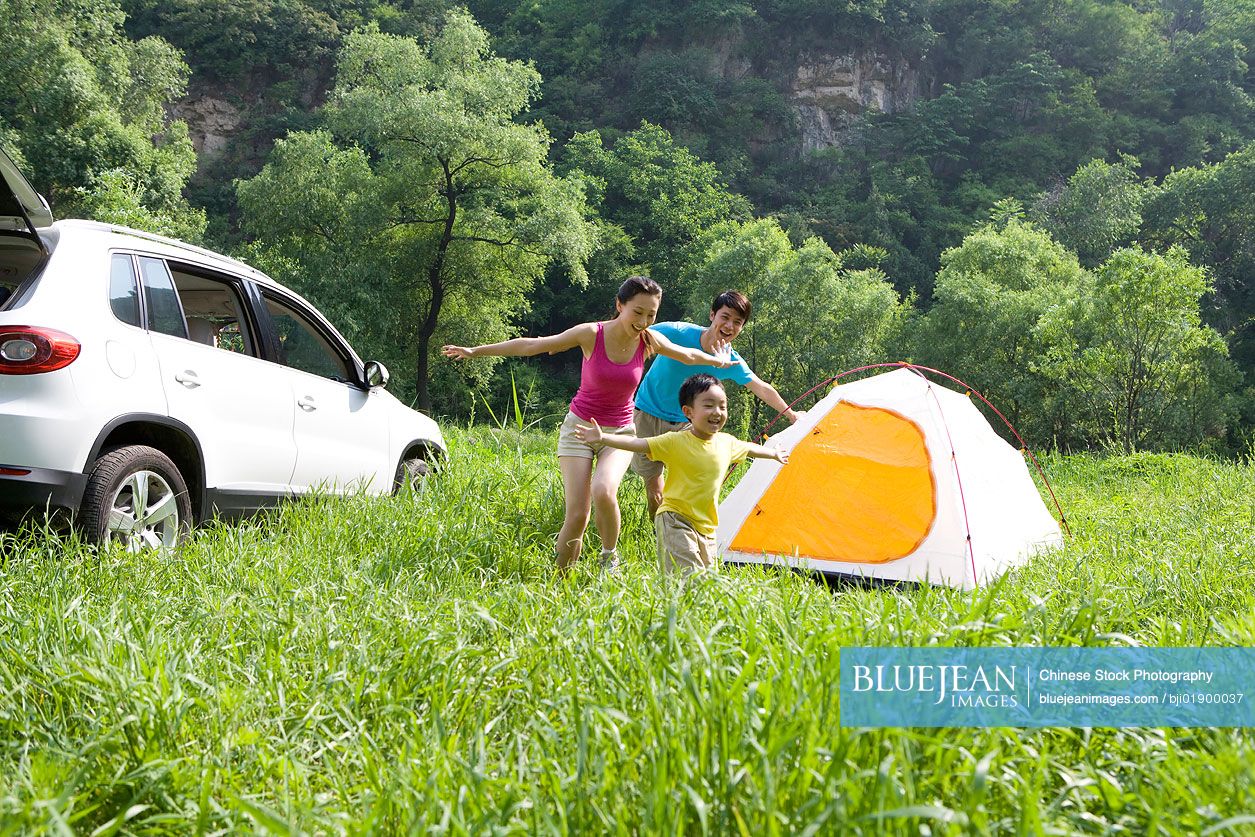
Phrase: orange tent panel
(858, 489)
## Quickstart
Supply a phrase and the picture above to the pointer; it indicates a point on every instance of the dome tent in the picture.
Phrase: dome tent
(892, 477)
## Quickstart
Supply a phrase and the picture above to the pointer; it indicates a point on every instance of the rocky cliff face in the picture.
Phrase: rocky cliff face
(827, 91)
(830, 91)
(211, 122)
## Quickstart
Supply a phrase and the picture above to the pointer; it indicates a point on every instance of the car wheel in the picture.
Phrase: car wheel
(411, 472)
(136, 497)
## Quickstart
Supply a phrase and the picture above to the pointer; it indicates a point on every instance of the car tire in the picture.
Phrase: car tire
(412, 472)
(137, 497)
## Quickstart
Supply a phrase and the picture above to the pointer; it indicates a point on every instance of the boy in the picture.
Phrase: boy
(697, 460)
(657, 405)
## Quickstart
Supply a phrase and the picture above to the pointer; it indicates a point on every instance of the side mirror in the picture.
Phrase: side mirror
(376, 374)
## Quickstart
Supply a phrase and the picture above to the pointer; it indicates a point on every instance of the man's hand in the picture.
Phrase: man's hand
(589, 434)
(457, 352)
(722, 349)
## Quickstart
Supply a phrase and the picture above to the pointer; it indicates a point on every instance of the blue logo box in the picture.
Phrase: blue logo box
(1048, 687)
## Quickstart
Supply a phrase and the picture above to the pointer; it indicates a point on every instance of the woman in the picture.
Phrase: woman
(614, 359)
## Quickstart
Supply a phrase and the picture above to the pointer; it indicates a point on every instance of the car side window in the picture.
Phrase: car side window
(302, 346)
(123, 292)
(214, 311)
(164, 313)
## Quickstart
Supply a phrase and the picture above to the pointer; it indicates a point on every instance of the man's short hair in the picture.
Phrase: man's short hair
(695, 386)
(735, 300)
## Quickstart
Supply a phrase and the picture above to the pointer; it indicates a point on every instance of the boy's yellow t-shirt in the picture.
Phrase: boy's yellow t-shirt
(695, 470)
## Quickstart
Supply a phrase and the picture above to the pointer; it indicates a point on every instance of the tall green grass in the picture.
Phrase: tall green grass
(413, 664)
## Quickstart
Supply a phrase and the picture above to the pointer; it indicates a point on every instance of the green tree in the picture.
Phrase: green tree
(1098, 209)
(82, 107)
(469, 214)
(317, 210)
(1133, 348)
(231, 39)
(659, 193)
(991, 296)
(814, 316)
(1209, 211)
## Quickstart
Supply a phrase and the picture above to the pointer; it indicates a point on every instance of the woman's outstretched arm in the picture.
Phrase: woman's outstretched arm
(693, 357)
(584, 333)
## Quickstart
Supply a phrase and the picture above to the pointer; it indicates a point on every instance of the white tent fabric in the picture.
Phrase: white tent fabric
(981, 486)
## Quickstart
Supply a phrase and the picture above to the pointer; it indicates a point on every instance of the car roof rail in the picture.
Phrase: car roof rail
(176, 243)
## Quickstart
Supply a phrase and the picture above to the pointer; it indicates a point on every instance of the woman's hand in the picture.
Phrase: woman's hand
(458, 352)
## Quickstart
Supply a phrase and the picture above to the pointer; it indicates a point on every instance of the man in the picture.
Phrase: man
(658, 399)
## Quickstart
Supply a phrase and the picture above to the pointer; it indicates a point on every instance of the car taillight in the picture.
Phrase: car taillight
(26, 350)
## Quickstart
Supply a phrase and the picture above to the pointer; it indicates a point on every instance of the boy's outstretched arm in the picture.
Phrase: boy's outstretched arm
(761, 452)
(592, 433)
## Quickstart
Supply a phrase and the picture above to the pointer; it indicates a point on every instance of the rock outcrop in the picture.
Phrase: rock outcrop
(829, 91)
(211, 123)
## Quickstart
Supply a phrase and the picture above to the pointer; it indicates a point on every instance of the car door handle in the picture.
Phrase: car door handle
(307, 404)
(187, 378)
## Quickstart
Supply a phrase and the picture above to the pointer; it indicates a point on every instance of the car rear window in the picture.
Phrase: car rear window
(123, 292)
(165, 315)
(19, 259)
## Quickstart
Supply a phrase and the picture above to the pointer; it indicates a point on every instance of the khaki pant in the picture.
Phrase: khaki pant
(681, 548)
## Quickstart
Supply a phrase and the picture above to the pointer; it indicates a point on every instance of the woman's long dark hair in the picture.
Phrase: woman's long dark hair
(634, 285)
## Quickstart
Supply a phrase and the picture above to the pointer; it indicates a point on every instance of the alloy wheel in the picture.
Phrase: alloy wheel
(144, 513)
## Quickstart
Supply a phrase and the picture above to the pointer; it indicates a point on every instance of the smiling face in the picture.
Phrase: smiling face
(726, 323)
(708, 412)
(639, 312)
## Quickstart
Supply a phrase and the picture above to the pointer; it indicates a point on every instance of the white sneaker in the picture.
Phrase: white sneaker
(609, 561)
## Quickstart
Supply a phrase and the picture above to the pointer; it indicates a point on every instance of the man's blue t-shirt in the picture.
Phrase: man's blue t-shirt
(659, 393)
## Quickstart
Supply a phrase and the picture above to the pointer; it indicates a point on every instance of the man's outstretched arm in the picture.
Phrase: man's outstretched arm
(768, 395)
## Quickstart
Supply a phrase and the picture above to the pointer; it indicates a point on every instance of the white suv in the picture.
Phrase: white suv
(146, 384)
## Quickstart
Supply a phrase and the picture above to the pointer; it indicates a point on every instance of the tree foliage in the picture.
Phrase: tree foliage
(1133, 349)
(660, 194)
(1208, 210)
(814, 316)
(1096, 210)
(82, 108)
(985, 327)
(469, 214)
(233, 39)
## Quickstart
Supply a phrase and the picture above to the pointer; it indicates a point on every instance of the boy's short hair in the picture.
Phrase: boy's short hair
(695, 386)
(735, 300)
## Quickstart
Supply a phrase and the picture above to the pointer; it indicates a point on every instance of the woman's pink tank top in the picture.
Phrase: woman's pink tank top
(606, 387)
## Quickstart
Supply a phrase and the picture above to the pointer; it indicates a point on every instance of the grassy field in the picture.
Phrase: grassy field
(412, 664)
